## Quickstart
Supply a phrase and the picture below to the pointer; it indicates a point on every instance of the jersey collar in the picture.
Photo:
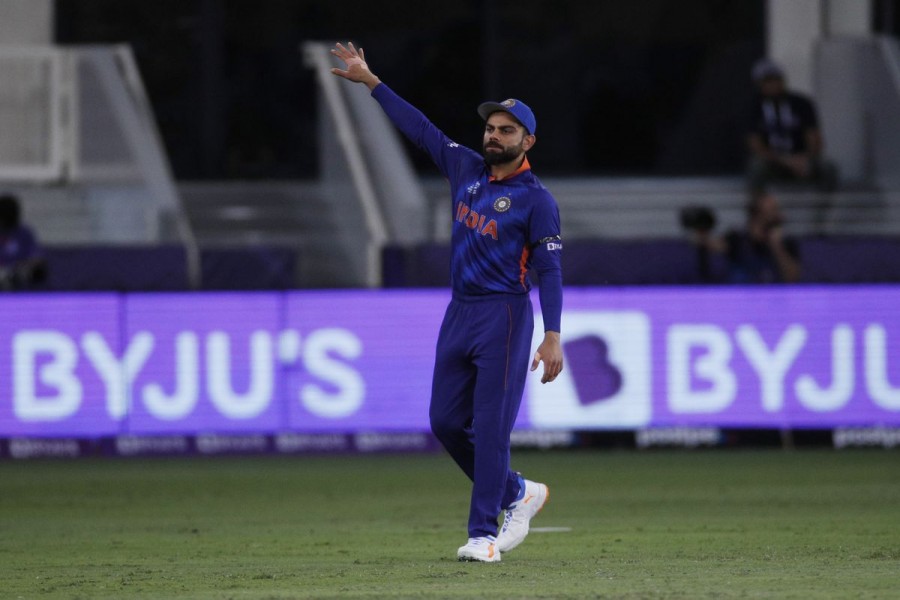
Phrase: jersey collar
(525, 166)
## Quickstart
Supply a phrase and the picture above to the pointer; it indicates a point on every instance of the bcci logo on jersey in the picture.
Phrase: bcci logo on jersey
(606, 379)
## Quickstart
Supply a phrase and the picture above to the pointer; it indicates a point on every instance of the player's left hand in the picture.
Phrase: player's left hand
(550, 352)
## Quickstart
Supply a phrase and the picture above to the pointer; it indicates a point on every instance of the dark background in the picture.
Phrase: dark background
(651, 87)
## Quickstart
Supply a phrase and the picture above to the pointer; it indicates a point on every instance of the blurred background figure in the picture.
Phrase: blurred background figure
(785, 140)
(758, 253)
(22, 265)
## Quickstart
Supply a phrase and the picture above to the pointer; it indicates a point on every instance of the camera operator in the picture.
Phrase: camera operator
(21, 263)
(759, 253)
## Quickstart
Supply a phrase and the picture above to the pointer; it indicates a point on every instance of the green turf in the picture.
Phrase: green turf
(711, 524)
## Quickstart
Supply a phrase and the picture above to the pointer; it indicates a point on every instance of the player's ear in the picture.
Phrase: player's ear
(528, 142)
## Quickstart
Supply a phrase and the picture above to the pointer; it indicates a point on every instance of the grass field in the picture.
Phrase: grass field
(661, 524)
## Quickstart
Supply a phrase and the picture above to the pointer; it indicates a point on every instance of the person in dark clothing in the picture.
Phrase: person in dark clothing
(21, 263)
(758, 253)
(784, 140)
(761, 253)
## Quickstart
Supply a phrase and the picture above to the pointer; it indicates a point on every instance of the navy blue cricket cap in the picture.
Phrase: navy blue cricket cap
(516, 108)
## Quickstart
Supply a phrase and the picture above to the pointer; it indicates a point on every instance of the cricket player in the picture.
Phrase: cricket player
(504, 223)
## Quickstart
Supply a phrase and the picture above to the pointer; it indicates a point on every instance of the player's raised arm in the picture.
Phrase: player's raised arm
(357, 69)
(446, 154)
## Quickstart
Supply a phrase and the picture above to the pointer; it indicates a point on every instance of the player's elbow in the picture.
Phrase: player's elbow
(548, 273)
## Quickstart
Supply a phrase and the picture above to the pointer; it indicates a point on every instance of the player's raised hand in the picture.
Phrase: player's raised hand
(357, 69)
(550, 353)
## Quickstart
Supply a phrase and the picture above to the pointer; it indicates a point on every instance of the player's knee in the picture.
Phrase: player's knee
(439, 425)
(445, 426)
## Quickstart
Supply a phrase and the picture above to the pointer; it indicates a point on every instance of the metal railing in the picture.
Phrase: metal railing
(318, 58)
(146, 142)
(33, 122)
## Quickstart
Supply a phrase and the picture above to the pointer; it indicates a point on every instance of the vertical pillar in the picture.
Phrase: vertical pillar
(850, 18)
(24, 22)
(793, 26)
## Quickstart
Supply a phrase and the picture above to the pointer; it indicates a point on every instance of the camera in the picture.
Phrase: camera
(698, 218)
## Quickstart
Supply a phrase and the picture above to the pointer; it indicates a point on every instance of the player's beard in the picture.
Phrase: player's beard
(507, 155)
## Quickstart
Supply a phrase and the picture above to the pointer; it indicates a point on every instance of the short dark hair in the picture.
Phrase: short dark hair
(10, 212)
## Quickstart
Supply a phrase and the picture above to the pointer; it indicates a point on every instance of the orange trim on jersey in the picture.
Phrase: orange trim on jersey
(525, 166)
(523, 270)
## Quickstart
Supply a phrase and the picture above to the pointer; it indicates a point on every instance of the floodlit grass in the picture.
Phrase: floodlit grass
(710, 524)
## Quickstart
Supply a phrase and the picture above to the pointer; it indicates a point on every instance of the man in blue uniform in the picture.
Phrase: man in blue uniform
(504, 223)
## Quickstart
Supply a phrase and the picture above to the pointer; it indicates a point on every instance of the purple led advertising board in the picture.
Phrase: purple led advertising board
(729, 357)
(95, 365)
(50, 347)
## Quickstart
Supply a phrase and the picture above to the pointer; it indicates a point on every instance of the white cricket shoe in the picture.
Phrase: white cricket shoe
(519, 514)
(481, 549)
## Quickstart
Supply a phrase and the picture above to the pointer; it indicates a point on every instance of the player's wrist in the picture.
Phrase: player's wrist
(372, 81)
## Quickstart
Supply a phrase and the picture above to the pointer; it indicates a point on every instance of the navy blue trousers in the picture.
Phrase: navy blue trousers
(479, 375)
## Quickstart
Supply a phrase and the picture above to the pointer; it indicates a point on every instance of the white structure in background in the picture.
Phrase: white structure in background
(78, 141)
(78, 120)
(32, 124)
(828, 50)
(795, 27)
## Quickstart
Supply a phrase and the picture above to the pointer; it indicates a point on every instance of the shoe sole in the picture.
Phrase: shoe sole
(473, 559)
(468, 558)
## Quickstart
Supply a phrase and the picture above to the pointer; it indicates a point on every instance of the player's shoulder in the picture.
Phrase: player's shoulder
(538, 191)
(470, 158)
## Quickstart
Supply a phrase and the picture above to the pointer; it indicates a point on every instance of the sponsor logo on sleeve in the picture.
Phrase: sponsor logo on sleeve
(553, 243)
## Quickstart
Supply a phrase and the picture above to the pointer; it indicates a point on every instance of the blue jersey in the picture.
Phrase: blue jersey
(501, 229)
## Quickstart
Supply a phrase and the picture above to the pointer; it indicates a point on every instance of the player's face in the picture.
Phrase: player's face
(505, 140)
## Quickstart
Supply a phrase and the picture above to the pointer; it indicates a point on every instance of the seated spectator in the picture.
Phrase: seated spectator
(758, 253)
(21, 263)
(784, 140)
